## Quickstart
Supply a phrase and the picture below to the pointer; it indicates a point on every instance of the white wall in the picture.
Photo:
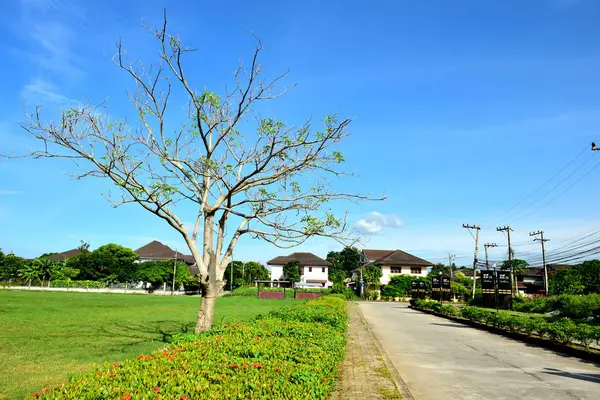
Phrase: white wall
(276, 272)
(316, 274)
(387, 275)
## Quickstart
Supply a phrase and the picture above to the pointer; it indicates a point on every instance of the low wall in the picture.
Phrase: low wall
(271, 295)
(310, 296)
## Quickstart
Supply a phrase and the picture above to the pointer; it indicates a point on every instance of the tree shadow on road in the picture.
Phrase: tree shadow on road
(451, 325)
(585, 377)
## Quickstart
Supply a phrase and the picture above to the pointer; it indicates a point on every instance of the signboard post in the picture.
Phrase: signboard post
(422, 288)
(414, 287)
(445, 287)
(436, 287)
(504, 289)
(488, 288)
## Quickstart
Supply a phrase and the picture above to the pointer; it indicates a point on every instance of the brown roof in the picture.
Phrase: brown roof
(155, 250)
(67, 254)
(400, 257)
(304, 259)
(372, 255)
(315, 281)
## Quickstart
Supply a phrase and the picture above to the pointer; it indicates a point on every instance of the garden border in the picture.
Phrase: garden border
(569, 350)
(400, 384)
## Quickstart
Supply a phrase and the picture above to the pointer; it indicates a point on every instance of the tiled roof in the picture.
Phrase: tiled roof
(67, 254)
(400, 257)
(155, 250)
(372, 255)
(304, 259)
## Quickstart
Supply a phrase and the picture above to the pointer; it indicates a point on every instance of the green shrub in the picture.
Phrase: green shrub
(291, 355)
(67, 283)
(245, 291)
(561, 331)
(449, 309)
(572, 306)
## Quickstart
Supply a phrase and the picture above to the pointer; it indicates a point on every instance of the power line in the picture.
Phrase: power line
(543, 185)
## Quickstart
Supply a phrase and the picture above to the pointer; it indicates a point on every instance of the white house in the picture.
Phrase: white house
(394, 262)
(314, 271)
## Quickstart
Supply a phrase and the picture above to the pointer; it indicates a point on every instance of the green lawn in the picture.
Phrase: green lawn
(46, 336)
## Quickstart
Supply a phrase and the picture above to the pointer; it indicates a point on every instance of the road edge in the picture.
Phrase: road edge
(400, 384)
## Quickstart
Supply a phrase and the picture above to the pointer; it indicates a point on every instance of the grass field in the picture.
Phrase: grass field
(47, 336)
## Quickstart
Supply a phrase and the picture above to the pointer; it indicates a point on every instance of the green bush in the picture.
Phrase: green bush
(292, 354)
(67, 283)
(572, 306)
(245, 291)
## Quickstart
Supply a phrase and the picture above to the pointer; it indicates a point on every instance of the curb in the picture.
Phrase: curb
(537, 341)
(400, 384)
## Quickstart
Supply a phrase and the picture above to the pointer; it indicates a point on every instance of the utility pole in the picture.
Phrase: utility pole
(451, 258)
(477, 229)
(508, 229)
(486, 246)
(542, 240)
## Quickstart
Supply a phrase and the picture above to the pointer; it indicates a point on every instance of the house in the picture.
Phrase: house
(531, 280)
(394, 262)
(313, 269)
(156, 251)
(67, 254)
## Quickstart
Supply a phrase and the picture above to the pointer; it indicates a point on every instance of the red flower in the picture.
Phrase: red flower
(126, 397)
(156, 389)
(117, 364)
(140, 357)
(219, 338)
(184, 397)
(244, 367)
(276, 369)
(111, 374)
(36, 395)
(45, 390)
(234, 366)
(324, 379)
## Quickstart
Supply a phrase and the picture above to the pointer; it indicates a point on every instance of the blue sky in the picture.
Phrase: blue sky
(461, 110)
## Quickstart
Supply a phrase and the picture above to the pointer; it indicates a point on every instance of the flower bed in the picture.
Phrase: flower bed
(563, 332)
(291, 353)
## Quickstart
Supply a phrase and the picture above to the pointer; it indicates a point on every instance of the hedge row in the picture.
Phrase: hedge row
(291, 353)
(563, 331)
(572, 306)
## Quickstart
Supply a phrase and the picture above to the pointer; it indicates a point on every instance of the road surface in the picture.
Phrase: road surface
(440, 359)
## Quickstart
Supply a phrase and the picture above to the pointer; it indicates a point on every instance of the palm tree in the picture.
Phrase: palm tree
(30, 273)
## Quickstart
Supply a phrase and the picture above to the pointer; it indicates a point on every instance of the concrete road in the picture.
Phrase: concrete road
(441, 359)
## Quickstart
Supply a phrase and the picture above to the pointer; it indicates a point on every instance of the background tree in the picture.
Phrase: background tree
(398, 286)
(291, 271)
(238, 279)
(342, 263)
(372, 275)
(566, 281)
(30, 273)
(255, 271)
(245, 174)
(157, 273)
(516, 266)
(44, 265)
(10, 266)
(60, 271)
(437, 269)
(115, 263)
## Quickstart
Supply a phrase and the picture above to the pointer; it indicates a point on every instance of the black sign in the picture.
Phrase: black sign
(414, 285)
(445, 283)
(504, 281)
(422, 285)
(436, 284)
(488, 281)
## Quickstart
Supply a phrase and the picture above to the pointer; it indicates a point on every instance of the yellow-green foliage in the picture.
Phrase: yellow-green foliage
(291, 353)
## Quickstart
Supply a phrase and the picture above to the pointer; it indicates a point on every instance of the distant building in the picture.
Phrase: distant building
(67, 254)
(393, 262)
(314, 271)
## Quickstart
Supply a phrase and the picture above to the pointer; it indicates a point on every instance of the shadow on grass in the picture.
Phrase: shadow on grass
(155, 331)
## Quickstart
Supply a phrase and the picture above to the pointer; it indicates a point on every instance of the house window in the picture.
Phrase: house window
(323, 269)
(396, 270)
(415, 270)
(309, 269)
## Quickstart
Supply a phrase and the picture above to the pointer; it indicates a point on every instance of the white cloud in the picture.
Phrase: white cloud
(39, 92)
(375, 221)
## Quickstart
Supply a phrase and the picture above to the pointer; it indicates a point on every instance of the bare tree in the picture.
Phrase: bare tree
(243, 174)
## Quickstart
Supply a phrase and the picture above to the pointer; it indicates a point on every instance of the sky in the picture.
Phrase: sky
(464, 112)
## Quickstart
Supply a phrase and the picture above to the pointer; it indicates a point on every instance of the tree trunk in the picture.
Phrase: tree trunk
(207, 308)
